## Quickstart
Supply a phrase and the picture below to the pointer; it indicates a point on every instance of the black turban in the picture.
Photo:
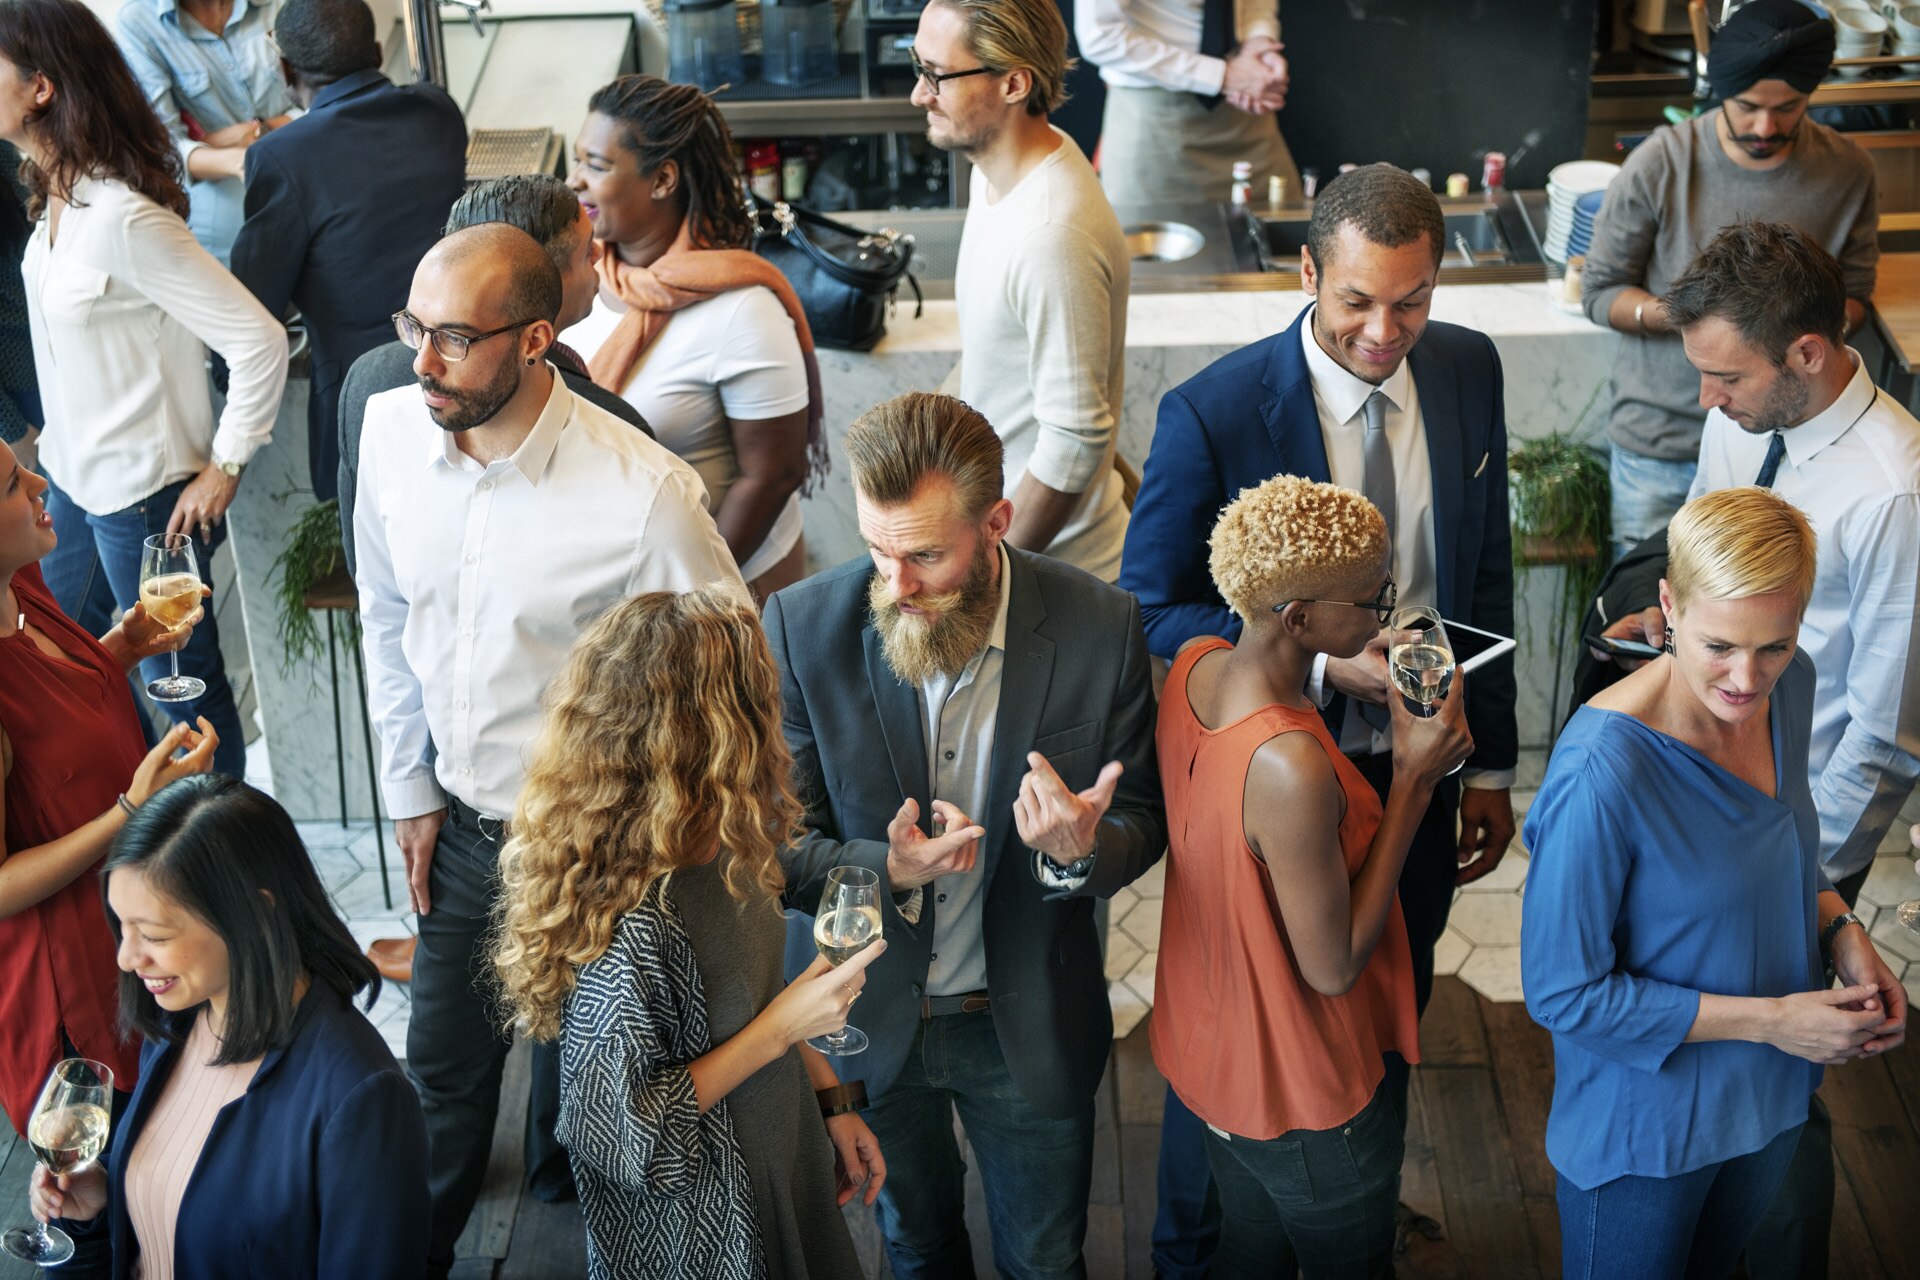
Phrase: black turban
(1770, 40)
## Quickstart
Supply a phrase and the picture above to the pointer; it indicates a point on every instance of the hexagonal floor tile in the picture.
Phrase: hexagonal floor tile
(1449, 952)
(1143, 923)
(1128, 1009)
(1124, 900)
(1895, 939)
(1495, 973)
(1140, 977)
(1891, 881)
(1505, 878)
(1153, 882)
(1899, 839)
(1487, 919)
(1122, 954)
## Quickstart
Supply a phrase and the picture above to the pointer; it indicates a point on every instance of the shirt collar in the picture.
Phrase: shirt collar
(1342, 392)
(345, 86)
(1834, 421)
(534, 453)
(169, 11)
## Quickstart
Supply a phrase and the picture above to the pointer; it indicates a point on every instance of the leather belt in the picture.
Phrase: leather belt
(940, 1006)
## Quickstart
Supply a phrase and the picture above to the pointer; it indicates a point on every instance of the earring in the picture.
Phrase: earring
(1668, 646)
(530, 360)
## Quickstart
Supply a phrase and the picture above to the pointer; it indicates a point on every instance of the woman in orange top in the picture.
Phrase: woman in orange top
(1283, 1005)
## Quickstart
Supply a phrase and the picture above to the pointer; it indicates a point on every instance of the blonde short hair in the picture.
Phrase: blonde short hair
(1294, 539)
(1010, 35)
(1734, 543)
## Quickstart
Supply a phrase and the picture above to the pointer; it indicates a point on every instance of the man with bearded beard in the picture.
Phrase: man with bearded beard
(973, 723)
(498, 514)
(1756, 156)
(1760, 313)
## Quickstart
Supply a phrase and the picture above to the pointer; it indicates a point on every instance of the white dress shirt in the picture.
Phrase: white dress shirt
(475, 581)
(123, 308)
(1153, 44)
(1854, 469)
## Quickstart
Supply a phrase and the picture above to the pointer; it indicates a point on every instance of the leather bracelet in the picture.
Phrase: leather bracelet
(842, 1098)
(126, 804)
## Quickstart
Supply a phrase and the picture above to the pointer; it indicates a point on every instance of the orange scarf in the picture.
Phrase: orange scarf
(680, 277)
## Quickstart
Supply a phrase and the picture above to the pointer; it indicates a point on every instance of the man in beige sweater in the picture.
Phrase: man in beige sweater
(1043, 273)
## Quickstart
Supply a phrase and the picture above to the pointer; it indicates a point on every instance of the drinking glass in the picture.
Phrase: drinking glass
(170, 589)
(848, 923)
(1909, 914)
(68, 1130)
(1420, 659)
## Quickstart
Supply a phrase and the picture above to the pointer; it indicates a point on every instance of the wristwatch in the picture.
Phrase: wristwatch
(1834, 926)
(231, 470)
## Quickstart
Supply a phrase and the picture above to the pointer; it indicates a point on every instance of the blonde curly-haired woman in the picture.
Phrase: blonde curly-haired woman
(640, 924)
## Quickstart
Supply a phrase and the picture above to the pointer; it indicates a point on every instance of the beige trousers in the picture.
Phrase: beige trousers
(1161, 146)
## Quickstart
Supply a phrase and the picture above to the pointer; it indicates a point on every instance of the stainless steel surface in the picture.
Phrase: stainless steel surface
(496, 153)
(1163, 241)
(1477, 238)
(539, 72)
(424, 48)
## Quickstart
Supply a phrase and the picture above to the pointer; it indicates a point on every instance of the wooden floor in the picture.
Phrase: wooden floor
(1475, 1161)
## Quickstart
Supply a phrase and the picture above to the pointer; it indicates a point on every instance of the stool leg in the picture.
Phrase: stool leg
(366, 734)
(339, 735)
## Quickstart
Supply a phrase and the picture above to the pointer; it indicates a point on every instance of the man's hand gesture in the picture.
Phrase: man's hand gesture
(914, 857)
(1058, 822)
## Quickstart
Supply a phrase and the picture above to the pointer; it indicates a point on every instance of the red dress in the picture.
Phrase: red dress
(76, 743)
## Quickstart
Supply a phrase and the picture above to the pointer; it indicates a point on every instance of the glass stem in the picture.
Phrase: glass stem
(173, 659)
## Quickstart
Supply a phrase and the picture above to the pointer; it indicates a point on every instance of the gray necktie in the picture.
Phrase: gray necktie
(1376, 486)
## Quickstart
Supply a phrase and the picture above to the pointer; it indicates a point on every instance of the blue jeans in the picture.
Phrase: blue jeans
(1037, 1169)
(1186, 1223)
(1318, 1200)
(1646, 493)
(94, 573)
(1692, 1224)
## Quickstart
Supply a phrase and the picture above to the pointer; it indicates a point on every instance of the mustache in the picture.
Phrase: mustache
(440, 389)
(941, 602)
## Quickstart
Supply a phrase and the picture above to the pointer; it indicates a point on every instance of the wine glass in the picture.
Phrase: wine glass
(1909, 914)
(848, 923)
(1420, 659)
(170, 589)
(68, 1130)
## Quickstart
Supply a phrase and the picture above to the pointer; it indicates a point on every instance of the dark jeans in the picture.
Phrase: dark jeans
(94, 573)
(1037, 1169)
(1693, 1224)
(1320, 1200)
(1187, 1221)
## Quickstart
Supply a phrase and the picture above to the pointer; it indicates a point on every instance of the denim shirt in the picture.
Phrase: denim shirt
(220, 80)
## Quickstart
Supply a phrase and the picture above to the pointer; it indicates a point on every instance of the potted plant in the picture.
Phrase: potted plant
(1560, 500)
(311, 556)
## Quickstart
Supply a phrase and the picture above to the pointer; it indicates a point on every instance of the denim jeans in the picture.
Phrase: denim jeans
(1646, 493)
(1186, 1220)
(94, 573)
(1692, 1224)
(1320, 1200)
(1037, 1170)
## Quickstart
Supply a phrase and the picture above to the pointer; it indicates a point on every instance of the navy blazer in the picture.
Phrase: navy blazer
(1250, 416)
(341, 206)
(1075, 687)
(317, 1171)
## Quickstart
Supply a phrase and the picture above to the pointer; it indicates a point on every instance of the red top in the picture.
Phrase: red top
(1239, 1033)
(76, 743)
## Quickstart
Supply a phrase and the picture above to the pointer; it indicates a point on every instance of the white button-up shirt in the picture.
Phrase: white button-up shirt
(1153, 44)
(1854, 469)
(475, 581)
(123, 307)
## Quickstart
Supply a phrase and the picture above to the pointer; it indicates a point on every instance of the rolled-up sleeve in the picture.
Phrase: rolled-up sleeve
(1110, 41)
(1580, 862)
(1062, 293)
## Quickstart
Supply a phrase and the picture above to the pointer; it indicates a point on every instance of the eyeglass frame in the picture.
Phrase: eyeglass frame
(431, 335)
(1382, 605)
(934, 79)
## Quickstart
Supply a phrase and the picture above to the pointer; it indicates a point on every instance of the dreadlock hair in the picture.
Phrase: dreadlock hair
(678, 122)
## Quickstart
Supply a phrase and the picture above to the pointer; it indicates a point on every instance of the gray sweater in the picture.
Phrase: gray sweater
(1675, 191)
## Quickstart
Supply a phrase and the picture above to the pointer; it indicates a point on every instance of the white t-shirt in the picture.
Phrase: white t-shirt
(735, 356)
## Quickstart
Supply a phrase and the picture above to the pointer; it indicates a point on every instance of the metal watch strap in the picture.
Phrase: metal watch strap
(1834, 926)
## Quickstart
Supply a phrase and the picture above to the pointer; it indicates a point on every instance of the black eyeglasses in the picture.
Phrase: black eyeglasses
(451, 346)
(934, 79)
(1382, 604)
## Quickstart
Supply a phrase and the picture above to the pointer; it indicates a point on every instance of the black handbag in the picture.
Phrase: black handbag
(845, 277)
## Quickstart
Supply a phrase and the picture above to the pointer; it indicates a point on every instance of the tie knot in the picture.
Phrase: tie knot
(1376, 411)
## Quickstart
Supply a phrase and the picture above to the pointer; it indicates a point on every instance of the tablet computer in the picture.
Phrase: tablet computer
(1474, 648)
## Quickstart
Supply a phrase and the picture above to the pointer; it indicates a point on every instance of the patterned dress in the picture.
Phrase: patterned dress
(746, 1190)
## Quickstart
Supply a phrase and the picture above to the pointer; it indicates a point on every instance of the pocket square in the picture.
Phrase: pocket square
(1482, 467)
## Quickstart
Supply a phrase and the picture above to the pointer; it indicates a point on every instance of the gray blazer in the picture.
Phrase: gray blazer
(1077, 689)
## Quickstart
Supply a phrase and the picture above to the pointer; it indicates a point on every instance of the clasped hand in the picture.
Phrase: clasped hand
(1256, 79)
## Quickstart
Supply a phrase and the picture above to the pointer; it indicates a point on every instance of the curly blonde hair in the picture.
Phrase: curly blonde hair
(1291, 538)
(662, 744)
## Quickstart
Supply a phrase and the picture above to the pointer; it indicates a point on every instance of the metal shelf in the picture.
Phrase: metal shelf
(823, 117)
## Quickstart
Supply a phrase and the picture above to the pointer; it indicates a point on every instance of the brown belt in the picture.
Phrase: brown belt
(940, 1006)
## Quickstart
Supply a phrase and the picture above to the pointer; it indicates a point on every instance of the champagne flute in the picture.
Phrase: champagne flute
(1420, 659)
(848, 923)
(68, 1130)
(170, 589)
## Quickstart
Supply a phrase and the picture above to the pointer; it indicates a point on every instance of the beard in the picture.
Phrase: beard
(1784, 406)
(471, 409)
(956, 626)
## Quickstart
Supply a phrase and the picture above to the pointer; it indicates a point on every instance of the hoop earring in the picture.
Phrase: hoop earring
(1668, 646)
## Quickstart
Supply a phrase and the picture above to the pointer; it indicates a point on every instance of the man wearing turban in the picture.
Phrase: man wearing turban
(1754, 154)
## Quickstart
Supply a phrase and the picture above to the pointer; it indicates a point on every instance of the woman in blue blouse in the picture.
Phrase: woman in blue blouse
(1676, 916)
(271, 1133)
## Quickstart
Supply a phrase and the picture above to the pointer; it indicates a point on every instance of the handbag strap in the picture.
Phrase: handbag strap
(790, 217)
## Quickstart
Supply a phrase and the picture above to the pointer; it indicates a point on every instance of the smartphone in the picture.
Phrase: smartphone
(1622, 648)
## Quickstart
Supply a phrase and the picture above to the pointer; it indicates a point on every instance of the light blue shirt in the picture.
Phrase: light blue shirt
(219, 79)
(1657, 875)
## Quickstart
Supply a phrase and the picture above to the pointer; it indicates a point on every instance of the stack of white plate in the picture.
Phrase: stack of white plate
(1565, 185)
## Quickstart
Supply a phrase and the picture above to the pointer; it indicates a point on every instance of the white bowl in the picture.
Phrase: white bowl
(1850, 24)
(1906, 22)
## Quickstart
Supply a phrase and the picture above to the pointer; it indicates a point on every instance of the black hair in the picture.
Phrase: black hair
(326, 40)
(539, 204)
(231, 856)
(678, 122)
(1387, 205)
(1771, 281)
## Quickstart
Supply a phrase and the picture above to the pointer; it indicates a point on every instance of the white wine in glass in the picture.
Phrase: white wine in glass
(1420, 657)
(68, 1131)
(1909, 914)
(170, 590)
(848, 923)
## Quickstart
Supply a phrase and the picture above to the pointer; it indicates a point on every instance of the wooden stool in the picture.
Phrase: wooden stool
(336, 596)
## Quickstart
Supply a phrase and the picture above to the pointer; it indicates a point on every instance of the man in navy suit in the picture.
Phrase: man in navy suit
(1364, 392)
(343, 203)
